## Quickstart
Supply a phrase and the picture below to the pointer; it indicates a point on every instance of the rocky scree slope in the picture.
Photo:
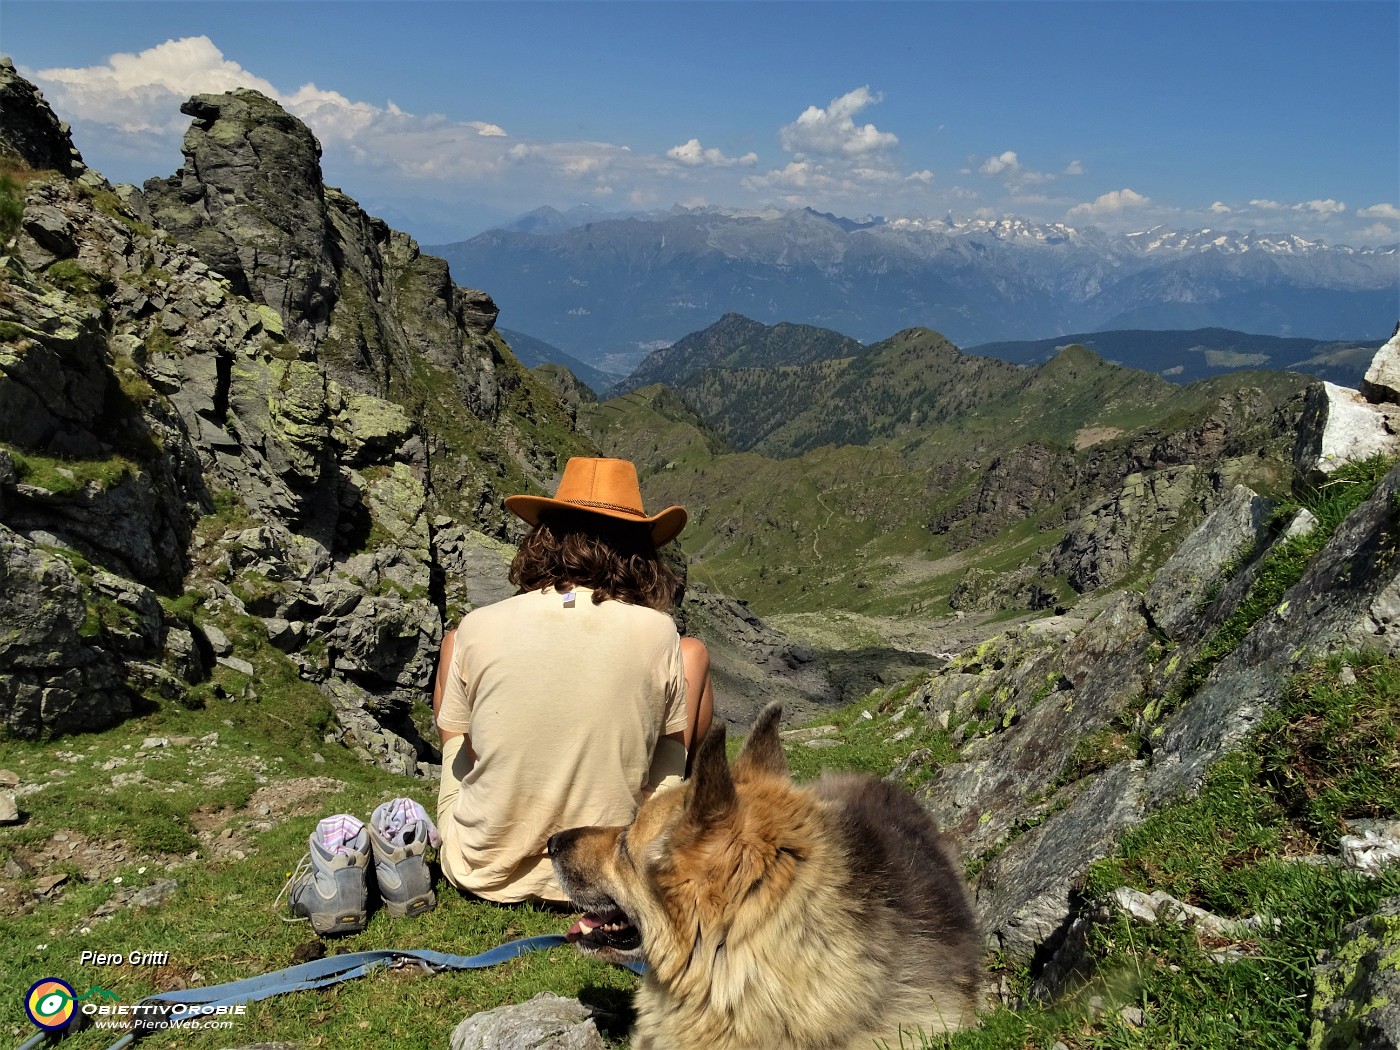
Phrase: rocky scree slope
(236, 399)
(1072, 730)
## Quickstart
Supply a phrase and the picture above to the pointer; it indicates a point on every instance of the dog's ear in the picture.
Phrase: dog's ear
(712, 795)
(763, 750)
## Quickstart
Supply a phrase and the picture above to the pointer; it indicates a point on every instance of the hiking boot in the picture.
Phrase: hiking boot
(400, 833)
(330, 886)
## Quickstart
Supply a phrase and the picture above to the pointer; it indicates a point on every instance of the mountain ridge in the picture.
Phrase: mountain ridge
(978, 281)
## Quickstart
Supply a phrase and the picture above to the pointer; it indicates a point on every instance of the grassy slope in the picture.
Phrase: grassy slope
(222, 923)
(842, 526)
(1226, 850)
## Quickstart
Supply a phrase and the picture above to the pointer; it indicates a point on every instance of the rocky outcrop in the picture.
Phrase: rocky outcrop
(241, 386)
(1102, 545)
(1381, 384)
(751, 662)
(1072, 731)
(375, 314)
(251, 202)
(1230, 534)
(1349, 597)
(1124, 504)
(1340, 426)
(29, 131)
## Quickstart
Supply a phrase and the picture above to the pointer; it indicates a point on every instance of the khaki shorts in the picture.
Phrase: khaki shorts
(455, 765)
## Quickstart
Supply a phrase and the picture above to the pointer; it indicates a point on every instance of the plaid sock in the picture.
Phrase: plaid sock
(402, 821)
(342, 833)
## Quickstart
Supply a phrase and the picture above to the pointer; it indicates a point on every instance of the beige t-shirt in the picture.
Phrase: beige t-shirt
(563, 702)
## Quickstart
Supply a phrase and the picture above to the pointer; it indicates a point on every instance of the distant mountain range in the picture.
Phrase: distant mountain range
(613, 286)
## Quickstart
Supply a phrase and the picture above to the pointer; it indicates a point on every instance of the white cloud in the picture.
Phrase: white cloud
(143, 92)
(1317, 209)
(1075, 167)
(925, 176)
(1008, 166)
(693, 155)
(1380, 211)
(1004, 164)
(1220, 208)
(798, 174)
(1111, 203)
(1323, 209)
(833, 132)
(138, 97)
(1377, 231)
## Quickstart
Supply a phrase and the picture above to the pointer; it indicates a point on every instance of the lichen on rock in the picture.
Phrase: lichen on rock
(1356, 989)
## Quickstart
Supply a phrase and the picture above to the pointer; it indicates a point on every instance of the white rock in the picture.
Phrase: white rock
(1369, 851)
(1339, 426)
(1382, 382)
(1302, 524)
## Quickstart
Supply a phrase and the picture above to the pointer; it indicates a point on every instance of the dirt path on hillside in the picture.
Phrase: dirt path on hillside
(817, 531)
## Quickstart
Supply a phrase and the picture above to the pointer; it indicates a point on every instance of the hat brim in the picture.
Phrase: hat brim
(664, 526)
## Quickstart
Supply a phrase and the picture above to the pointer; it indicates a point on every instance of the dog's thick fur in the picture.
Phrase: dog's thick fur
(774, 917)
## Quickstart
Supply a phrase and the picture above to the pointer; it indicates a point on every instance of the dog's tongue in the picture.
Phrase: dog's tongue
(591, 920)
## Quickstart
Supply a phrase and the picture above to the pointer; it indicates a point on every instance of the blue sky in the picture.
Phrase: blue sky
(447, 117)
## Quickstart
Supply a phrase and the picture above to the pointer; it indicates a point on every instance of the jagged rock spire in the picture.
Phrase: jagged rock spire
(29, 131)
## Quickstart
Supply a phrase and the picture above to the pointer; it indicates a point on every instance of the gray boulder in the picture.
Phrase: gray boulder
(546, 1022)
(55, 676)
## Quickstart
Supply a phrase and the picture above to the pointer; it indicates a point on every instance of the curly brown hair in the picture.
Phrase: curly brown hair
(617, 559)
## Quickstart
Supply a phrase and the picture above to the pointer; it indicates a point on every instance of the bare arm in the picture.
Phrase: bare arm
(699, 694)
(444, 669)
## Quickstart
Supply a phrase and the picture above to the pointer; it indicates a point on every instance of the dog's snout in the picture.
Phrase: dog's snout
(556, 842)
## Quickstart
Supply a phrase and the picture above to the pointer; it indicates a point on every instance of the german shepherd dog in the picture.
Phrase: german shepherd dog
(773, 917)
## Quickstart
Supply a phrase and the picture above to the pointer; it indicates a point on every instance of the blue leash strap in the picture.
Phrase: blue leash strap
(321, 973)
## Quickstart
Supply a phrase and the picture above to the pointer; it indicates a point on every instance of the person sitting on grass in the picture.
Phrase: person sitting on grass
(567, 704)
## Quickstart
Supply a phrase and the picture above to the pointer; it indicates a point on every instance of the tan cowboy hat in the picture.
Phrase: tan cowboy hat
(600, 486)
